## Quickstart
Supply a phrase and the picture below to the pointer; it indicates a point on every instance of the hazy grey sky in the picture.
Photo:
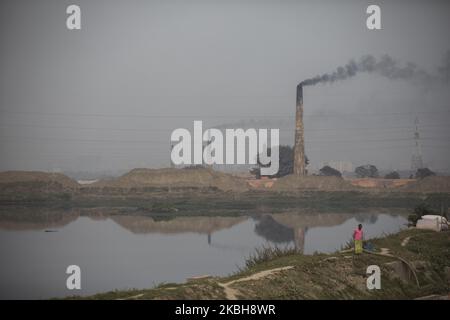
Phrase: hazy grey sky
(107, 97)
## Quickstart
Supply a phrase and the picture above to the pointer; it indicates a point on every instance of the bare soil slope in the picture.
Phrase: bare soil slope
(176, 178)
(432, 184)
(32, 181)
(313, 183)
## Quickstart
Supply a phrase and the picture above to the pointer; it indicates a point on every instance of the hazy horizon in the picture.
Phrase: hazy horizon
(107, 97)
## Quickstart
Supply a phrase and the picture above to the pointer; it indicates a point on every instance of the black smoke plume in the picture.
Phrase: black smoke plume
(386, 67)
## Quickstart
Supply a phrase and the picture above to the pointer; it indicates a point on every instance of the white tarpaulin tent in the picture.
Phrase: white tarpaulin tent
(432, 222)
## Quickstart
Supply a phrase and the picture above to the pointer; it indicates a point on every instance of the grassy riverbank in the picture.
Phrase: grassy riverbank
(289, 275)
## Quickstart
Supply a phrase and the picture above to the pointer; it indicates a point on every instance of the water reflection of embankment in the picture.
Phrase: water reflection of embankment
(280, 228)
(25, 218)
(202, 225)
(39, 218)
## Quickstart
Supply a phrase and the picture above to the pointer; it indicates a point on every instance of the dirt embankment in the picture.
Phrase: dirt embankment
(173, 179)
(313, 183)
(380, 183)
(434, 184)
(13, 182)
(192, 182)
(22, 184)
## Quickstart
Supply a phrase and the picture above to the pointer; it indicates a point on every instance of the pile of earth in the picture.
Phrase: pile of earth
(312, 183)
(191, 178)
(432, 184)
(35, 181)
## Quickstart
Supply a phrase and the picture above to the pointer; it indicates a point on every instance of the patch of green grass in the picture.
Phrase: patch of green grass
(322, 276)
(267, 253)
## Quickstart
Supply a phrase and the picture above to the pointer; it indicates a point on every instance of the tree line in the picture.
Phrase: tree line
(286, 167)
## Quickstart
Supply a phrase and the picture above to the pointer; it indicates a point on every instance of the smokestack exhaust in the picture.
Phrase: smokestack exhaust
(299, 145)
(386, 67)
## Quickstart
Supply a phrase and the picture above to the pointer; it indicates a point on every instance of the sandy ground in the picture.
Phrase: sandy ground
(232, 293)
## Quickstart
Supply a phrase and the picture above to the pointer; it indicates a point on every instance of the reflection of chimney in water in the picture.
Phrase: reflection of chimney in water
(299, 144)
(299, 239)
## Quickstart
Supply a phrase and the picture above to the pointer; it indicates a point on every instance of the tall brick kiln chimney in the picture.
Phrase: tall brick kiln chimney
(299, 144)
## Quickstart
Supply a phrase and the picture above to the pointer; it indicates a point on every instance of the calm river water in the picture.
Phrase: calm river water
(120, 252)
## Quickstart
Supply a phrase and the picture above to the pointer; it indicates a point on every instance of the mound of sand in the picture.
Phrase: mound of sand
(433, 184)
(175, 178)
(312, 183)
(8, 177)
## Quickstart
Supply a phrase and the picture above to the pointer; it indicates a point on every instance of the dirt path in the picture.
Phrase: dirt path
(231, 293)
(132, 297)
(405, 241)
(386, 252)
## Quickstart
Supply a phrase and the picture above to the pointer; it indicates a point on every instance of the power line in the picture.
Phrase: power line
(276, 116)
(167, 141)
(446, 126)
(83, 140)
(82, 128)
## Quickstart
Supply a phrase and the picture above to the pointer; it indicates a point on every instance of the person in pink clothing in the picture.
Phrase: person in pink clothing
(358, 239)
